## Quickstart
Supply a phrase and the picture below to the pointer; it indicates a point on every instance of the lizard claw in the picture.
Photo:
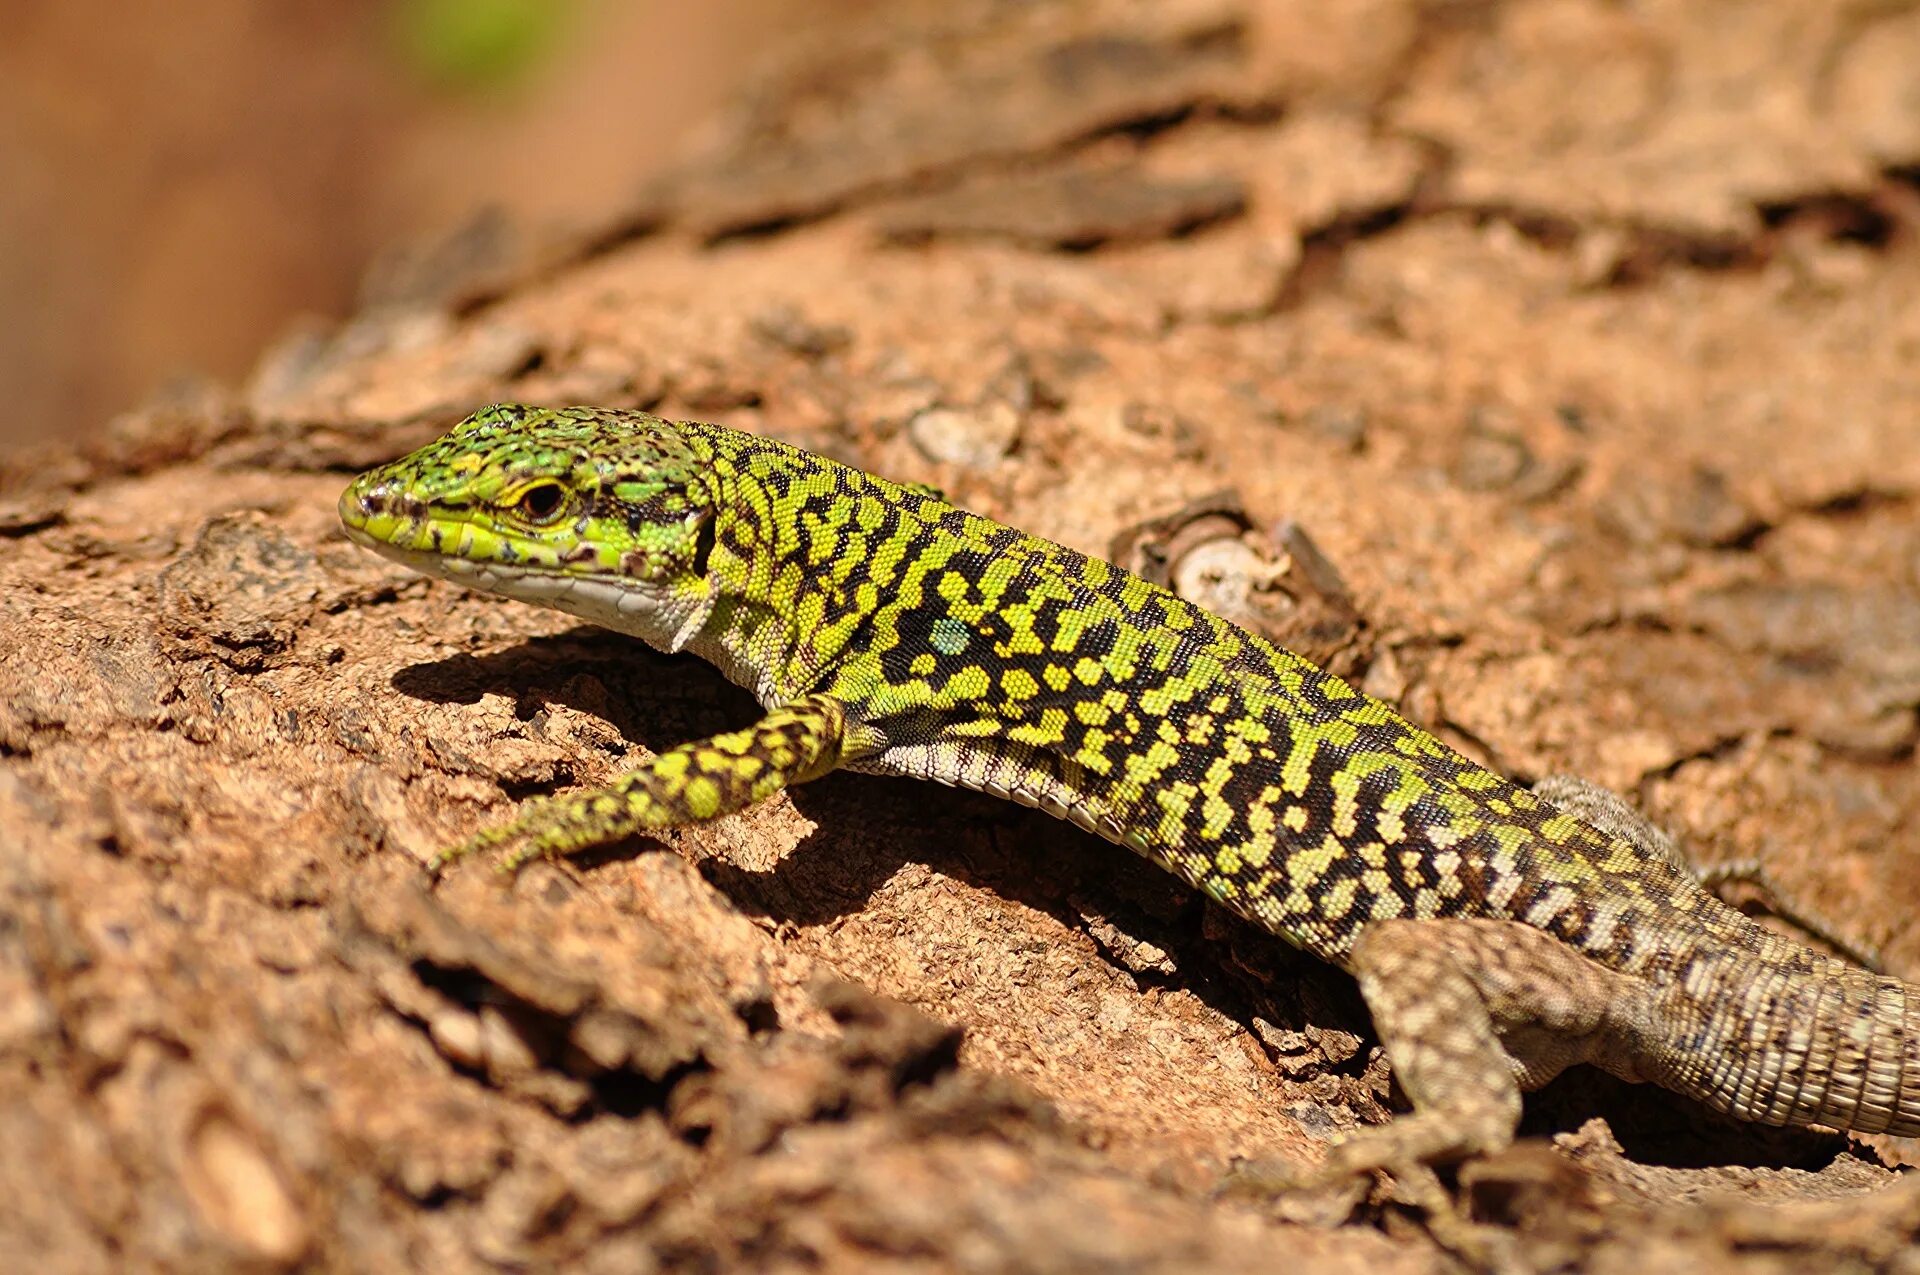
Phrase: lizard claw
(1362, 1171)
(545, 828)
(437, 866)
(524, 827)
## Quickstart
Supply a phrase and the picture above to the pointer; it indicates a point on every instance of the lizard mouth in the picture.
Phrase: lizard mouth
(371, 520)
(396, 525)
(612, 603)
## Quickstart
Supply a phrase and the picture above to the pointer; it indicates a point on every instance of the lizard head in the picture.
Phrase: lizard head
(603, 514)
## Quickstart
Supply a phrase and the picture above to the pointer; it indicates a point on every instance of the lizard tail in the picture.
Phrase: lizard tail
(1785, 1044)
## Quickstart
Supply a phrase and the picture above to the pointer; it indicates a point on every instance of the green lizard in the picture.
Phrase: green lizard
(1498, 933)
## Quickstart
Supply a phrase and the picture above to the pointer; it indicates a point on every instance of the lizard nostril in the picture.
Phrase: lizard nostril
(365, 501)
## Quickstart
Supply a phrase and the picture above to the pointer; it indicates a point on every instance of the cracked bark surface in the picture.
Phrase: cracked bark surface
(1595, 379)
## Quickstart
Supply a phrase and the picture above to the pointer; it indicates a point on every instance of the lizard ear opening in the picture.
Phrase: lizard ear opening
(703, 539)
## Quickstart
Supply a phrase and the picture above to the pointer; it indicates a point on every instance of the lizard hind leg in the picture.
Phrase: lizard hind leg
(691, 783)
(1615, 815)
(1472, 1012)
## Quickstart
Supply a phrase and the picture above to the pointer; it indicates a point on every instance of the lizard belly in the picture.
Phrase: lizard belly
(997, 775)
(1044, 781)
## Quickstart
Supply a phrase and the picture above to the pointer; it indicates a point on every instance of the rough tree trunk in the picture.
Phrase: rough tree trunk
(1582, 339)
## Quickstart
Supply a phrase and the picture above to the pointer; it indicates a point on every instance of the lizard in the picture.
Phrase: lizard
(1498, 933)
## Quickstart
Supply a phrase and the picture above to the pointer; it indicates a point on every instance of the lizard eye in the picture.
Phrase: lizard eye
(542, 502)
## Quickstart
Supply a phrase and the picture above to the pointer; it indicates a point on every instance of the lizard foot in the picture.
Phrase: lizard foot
(691, 783)
(545, 828)
(1369, 1168)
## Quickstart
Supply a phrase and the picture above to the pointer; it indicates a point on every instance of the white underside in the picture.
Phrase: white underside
(633, 607)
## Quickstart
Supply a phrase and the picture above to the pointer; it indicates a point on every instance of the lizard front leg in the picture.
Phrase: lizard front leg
(692, 783)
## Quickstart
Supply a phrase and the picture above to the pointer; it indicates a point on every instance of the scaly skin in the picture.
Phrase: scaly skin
(1498, 933)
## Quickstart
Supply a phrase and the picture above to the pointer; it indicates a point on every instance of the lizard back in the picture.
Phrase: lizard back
(995, 660)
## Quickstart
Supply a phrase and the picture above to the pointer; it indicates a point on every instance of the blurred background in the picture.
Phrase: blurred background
(182, 182)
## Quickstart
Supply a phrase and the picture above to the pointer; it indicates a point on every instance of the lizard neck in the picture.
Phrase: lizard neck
(773, 564)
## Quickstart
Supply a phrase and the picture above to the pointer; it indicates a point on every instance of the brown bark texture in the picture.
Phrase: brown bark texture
(1552, 369)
